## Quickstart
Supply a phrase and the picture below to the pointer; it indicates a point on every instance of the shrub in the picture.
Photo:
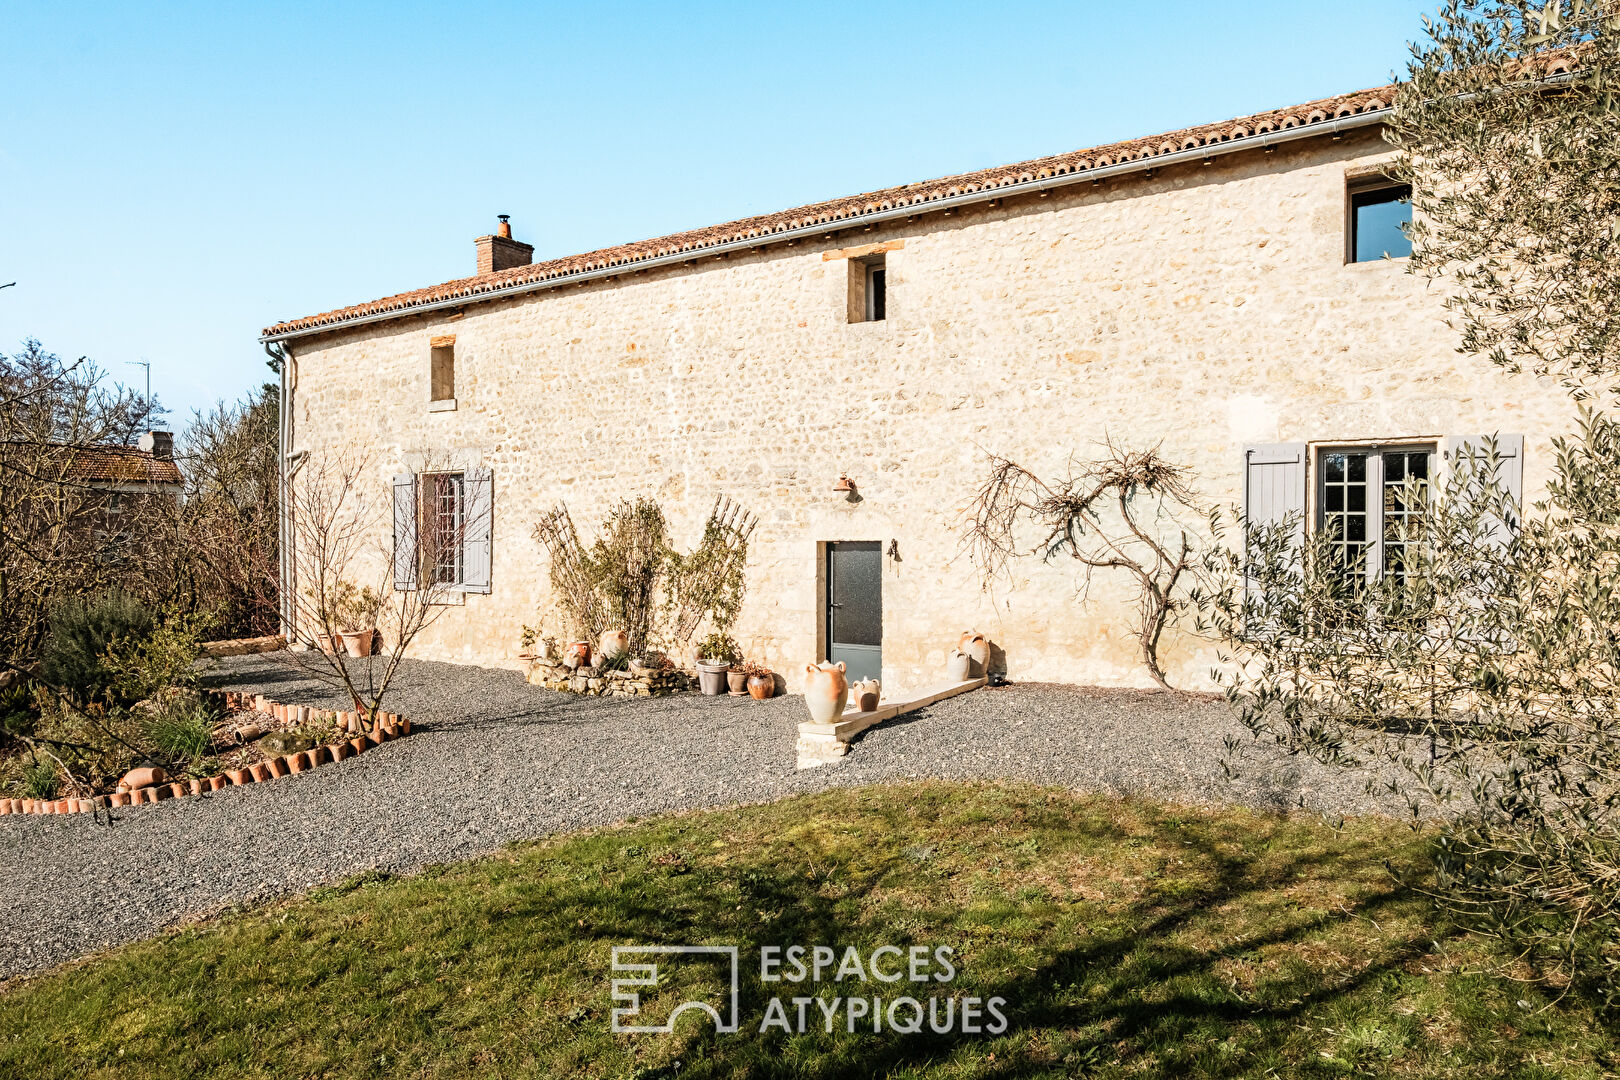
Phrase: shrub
(719, 648)
(82, 632)
(41, 780)
(183, 731)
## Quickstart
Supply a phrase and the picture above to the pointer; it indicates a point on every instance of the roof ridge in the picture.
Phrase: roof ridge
(830, 212)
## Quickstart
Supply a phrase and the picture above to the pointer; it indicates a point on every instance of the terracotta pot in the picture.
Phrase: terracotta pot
(119, 798)
(327, 643)
(357, 745)
(239, 777)
(761, 687)
(261, 703)
(376, 737)
(612, 643)
(158, 794)
(100, 802)
(316, 757)
(736, 681)
(338, 751)
(404, 725)
(826, 691)
(359, 642)
(5, 806)
(218, 783)
(958, 664)
(577, 655)
(139, 778)
(260, 771)
(712, 677)
(86, 806)
(197, 787)
(977, 647)
(295, 763)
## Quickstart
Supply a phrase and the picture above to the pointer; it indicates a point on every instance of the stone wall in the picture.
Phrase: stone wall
(1204, 307)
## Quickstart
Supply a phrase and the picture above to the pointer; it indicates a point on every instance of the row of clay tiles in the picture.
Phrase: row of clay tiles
(389, 726)
(1316, 112)
(836, 210)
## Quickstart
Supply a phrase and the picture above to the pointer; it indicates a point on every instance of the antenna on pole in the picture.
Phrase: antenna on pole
(147, 364)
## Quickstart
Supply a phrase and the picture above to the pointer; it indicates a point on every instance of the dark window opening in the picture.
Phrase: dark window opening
(444, 512)
(443, 373)
(868, 289)
(1379, 217)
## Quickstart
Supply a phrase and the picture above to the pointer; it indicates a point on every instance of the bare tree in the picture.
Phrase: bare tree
(229, 517)
(61, 532)
(338, 526)
(1123, 511)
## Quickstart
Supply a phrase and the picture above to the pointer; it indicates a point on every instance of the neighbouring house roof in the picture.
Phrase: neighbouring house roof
(119, 465)
(840, 213)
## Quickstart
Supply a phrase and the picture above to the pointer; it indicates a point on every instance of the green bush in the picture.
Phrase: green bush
(41, 781)
(82, 631)
(184, 732)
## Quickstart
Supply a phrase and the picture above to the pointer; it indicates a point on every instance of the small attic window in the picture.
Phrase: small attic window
(868, 289)
(1380, 212)
(442, 374)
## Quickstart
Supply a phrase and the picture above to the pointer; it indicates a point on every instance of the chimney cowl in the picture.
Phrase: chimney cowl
(160, 444)
(500, 251)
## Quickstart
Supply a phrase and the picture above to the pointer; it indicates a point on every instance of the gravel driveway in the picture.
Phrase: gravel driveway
(494, 760)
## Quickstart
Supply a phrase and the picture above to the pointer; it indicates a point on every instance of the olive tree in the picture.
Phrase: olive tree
(1479, 676)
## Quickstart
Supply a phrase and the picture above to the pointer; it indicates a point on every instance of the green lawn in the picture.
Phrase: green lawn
(1128, 939)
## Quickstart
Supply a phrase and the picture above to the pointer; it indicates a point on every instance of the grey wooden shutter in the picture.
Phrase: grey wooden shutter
(1274, 484)
(480, 527)
(1274, 487)
(1509, 469)
(405, 569)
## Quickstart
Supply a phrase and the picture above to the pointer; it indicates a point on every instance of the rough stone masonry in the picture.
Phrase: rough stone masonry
(1201, 306)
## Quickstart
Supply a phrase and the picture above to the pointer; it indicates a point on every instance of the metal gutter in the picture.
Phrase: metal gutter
(1267, 141)
(283, 357)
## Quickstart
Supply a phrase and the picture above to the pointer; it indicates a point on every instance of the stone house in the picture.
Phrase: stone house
(841, 370)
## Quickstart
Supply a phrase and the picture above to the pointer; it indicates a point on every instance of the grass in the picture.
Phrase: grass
(1128, 939)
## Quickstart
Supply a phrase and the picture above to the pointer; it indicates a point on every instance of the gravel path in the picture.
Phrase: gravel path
(495, 760)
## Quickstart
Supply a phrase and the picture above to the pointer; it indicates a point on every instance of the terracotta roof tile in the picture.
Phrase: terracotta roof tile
(121, 465)
(839, 210)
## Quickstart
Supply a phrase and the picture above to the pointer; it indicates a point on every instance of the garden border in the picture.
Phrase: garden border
(390, 726)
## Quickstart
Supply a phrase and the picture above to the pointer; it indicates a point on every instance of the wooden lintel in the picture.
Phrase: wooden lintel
(862, 251)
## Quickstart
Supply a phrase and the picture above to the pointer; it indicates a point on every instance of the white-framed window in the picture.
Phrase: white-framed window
(443, 530)
(1368, 500)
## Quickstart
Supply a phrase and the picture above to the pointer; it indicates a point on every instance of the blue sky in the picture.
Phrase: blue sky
(174, 178)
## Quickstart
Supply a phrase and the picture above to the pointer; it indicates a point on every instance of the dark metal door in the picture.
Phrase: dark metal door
(855, 607)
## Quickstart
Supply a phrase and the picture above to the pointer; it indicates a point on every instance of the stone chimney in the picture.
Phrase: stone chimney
(160, 444)
(501, 252)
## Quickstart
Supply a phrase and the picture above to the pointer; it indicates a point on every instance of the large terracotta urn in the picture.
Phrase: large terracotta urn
(826, 690)
(612, 643)
(577, 654)
(977, 647)
(958, 664)
(865, 694)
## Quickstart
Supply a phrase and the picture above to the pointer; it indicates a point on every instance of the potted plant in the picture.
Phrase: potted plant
(355, 611)
(714, 659)
(737, 679)
(761, 680)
